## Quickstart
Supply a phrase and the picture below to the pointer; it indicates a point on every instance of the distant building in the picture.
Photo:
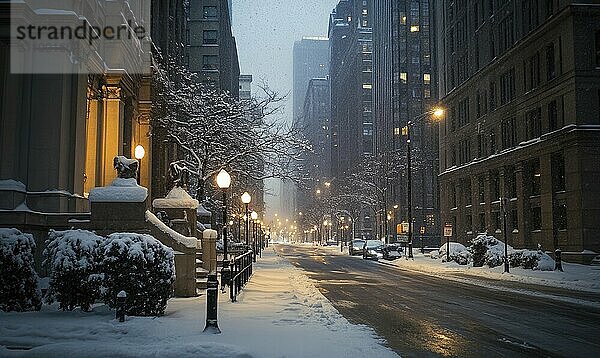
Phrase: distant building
(521, 82)
(245, 87)
(351, 69)
(404, 89)
(311, 60)
(212, 50)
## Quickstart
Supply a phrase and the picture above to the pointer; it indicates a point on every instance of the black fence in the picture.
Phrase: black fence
(241, 270)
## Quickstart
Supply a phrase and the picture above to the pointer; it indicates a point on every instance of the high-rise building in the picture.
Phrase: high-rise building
(521, 83)
(212, 50)
(311, 60)
(404, 90)
(245, 87)
(351, 68)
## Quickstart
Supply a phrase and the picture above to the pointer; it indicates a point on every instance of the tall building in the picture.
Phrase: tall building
(245, 87)
(311, 60)
(212, 50)
(351, 68)
(521, 82)
(404, 90)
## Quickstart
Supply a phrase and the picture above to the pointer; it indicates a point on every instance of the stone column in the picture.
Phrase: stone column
(112, 131)
(209, 250)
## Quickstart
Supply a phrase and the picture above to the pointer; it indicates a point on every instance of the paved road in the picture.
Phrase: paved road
(421, 315)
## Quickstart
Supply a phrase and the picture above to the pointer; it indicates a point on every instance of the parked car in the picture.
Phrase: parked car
(356, 247)
(392, 252)
(374, 250)
(595, 261)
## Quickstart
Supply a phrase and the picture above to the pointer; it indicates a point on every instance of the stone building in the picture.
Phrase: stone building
(404, 89)
(521, 84)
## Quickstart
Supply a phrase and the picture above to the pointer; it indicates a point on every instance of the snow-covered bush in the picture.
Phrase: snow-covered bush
(142, 267)
(18, 280)
(487, 250)
(435, 254)
(458, 253)
(71, 258)
(528, 259)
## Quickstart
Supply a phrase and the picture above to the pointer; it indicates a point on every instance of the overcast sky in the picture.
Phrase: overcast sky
(265, 32)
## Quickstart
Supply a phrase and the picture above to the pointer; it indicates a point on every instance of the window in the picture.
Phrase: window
(453, 196)
(414, 28)
(598, 48)
(426, 78)
(467, 194)
(535, 178)
(506, 32)
(509, 133)
(549, 8)
(507, 86)
(550, 62)
(397, 131)
(534, 123)
(560, 216)
(403, 77)
(495, 186)
(469, 222)
(532, 72)
(493, 142)
(482, 226)
(514, 215)
(511, 182)
(481, 103)
(558, 172)
(552, 116)
(481, 192)
(492, 96)
(210, 12)
(210, 37)
(536, 218)
(210, 62)
(497, 221)
(367, 86)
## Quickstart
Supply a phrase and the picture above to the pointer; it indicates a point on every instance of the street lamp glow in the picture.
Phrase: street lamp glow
(139, 152)
(327, 184)
(396, 206)
(246, 198)
(223, 179)
(438, 112)
(253, 215)
(318, 191)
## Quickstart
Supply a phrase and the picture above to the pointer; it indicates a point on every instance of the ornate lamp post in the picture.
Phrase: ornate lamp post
(246, 199)
(224, 182)
(254, 217)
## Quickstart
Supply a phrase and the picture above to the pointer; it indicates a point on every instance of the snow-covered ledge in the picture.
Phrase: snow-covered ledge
(177, 198)
(121, 190)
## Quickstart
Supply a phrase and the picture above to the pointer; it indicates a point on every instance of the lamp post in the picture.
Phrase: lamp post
(224, 182)
(438, 113)
(139, 152)
(246, 199)
(254, 217)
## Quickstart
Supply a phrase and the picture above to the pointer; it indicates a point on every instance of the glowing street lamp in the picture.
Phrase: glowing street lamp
(224, 182)
(246, 199)
(139, 152)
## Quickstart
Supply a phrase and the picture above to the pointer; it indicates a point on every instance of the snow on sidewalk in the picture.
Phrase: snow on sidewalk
(279, 314)
(575, 276)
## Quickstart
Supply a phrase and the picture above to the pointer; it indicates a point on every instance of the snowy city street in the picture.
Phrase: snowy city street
(419, 313)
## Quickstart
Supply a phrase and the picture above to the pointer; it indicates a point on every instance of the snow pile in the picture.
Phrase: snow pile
(528, 259)
(176, 198)
(120, 190)
(189, 242)
(10, 184)
(458, 253)
(487, 250)
(141, 266)
(18, 280)
(71, 257)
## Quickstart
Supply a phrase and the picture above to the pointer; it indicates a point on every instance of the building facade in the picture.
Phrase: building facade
(404, 89)
(212, 50)
(521, 82)
(311, 60)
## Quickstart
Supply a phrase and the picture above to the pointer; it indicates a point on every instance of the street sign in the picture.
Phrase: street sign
(403, 239)
(448, 230)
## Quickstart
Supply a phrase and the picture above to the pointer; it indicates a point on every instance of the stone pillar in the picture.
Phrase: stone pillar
(112, 132)
(209, 250)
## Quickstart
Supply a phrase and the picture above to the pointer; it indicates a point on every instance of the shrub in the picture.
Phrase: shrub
(536, 260)
(71, 257)
(18, 280)
(461, 258)
(142, 267)
(487, 250)
(458, 253)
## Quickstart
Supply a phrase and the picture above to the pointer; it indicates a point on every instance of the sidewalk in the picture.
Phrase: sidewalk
(279, 314)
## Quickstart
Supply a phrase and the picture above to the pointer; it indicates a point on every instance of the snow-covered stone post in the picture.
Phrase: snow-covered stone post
(209, 246)
(121, 300)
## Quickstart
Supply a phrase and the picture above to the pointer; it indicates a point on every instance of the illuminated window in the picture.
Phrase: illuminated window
(414, 28)
(402, 18)
(367, 86)
(365, 12)
(426, 78)
(397, 131)
(403, 77)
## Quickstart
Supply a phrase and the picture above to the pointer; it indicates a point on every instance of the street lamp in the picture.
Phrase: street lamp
(246, 199)
(224, 182)
(437, 114)
(139, 152)
(254, 216)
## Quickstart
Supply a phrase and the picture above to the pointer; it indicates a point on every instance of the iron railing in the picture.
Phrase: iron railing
(241, 270)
